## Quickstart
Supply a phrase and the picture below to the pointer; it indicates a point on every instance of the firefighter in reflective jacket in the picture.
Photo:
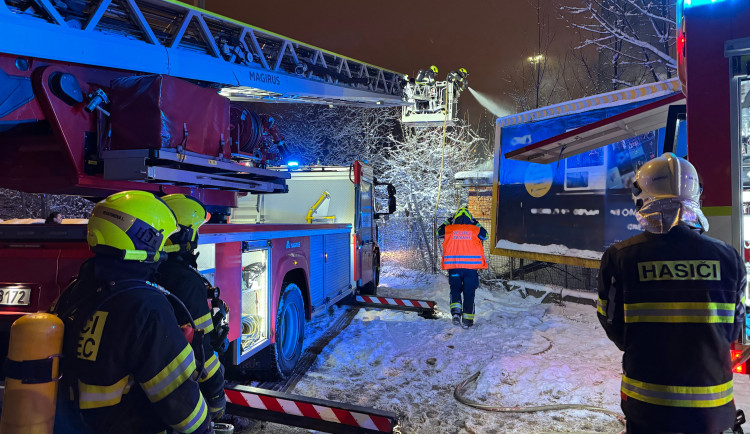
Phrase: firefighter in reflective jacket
(463, 254)
(672, 299)
(180, 276)
(127, 366)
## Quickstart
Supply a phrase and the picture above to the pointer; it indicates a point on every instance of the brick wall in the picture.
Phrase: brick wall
(480, 202)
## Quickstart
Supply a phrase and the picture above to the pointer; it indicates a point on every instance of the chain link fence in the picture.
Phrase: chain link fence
(411, 241)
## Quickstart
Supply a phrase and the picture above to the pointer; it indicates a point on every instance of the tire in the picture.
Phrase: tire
(290, 330)
(278, 360)
(371, 288)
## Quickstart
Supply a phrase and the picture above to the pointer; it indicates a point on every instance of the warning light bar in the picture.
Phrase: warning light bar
(693, 3)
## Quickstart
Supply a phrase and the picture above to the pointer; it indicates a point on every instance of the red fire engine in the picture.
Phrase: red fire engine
(100, 96)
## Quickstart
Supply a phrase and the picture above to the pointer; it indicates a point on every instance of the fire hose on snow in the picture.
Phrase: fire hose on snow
(458, 394)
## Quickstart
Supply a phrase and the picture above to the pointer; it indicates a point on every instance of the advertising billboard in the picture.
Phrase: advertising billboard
(571, 210)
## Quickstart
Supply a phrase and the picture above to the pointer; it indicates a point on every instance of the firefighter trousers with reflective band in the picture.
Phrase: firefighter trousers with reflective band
(633, 428)
(463, 282)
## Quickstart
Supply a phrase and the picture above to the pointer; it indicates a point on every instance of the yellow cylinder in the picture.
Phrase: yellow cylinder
(30, 408)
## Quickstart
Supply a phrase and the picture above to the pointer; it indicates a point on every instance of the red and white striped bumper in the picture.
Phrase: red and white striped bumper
(404, 302)
(329, 416)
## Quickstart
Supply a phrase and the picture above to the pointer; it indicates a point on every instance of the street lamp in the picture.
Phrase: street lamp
(536, 59)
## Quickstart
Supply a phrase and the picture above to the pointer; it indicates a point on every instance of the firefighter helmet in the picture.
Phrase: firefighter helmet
(666, 177)
(190, 214)
(463, 72)
(133, 225)
(463, 211)
(434, 69)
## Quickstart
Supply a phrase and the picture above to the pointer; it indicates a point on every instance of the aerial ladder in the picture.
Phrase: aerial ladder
(58, 53)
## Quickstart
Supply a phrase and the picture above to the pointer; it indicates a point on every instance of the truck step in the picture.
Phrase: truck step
(310, 413)
(425, 308)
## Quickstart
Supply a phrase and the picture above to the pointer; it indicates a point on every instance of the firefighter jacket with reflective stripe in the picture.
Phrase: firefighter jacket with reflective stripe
(185, 282)
(134, 368)
(462, 247)
(674, 303)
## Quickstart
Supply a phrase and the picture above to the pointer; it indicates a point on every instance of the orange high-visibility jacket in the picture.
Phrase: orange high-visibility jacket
(462, 248)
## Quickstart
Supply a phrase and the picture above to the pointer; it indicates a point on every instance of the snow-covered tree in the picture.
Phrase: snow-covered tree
(635, 38)
(17, 204)
(422, 163)
(318, 134)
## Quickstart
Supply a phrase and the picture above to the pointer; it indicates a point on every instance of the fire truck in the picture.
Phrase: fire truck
(713, 48)
(98, 97)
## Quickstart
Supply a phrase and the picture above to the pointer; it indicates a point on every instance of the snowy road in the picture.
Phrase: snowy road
(400, 362)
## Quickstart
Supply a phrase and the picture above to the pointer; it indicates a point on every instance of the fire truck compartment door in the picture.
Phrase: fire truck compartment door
(330, 274)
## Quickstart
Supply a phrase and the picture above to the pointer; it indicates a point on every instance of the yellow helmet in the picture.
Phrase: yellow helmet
(463, 71)
(133, 225)
(434, 69)
(191, 214)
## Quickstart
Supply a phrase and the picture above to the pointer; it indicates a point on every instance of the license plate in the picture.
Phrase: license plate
(15, 295)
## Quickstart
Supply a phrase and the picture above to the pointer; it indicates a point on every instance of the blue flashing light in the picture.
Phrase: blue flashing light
(683, 5)
(694, 3)
(293, 164)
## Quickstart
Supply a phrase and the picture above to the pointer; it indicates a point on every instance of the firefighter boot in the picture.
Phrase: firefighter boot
(467, 323)
(738, 421)
(456, 316)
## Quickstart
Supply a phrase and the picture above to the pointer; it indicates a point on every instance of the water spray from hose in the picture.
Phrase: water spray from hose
(494, 107)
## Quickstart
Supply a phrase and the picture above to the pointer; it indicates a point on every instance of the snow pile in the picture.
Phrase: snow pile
(551, 249)
(528, 354)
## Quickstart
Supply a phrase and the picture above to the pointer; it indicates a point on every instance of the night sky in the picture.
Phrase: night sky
(487, 37)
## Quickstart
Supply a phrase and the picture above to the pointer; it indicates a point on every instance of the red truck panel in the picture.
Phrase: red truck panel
(47, 267)
(169, 113)
(228, 275)
(708, 126)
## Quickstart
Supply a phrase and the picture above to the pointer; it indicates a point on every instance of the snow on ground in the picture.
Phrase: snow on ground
(528, 353)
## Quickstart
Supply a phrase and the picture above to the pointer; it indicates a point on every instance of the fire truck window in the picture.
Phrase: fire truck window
(366, 210)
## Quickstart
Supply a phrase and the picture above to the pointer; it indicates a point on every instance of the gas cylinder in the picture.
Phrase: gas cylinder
(32, 369)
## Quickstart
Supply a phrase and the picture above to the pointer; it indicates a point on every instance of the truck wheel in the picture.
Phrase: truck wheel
(371, 288)
(276, 361)
(290, 330)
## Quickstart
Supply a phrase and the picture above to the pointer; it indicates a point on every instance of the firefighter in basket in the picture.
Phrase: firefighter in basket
(463, 255)
(672, 299)
(459, 79)
(127, 365)
(179, 275)
(427, 76)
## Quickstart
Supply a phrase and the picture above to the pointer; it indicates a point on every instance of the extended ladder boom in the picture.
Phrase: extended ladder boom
(173, 38)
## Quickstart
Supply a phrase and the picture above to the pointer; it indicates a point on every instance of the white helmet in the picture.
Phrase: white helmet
(665, 177)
